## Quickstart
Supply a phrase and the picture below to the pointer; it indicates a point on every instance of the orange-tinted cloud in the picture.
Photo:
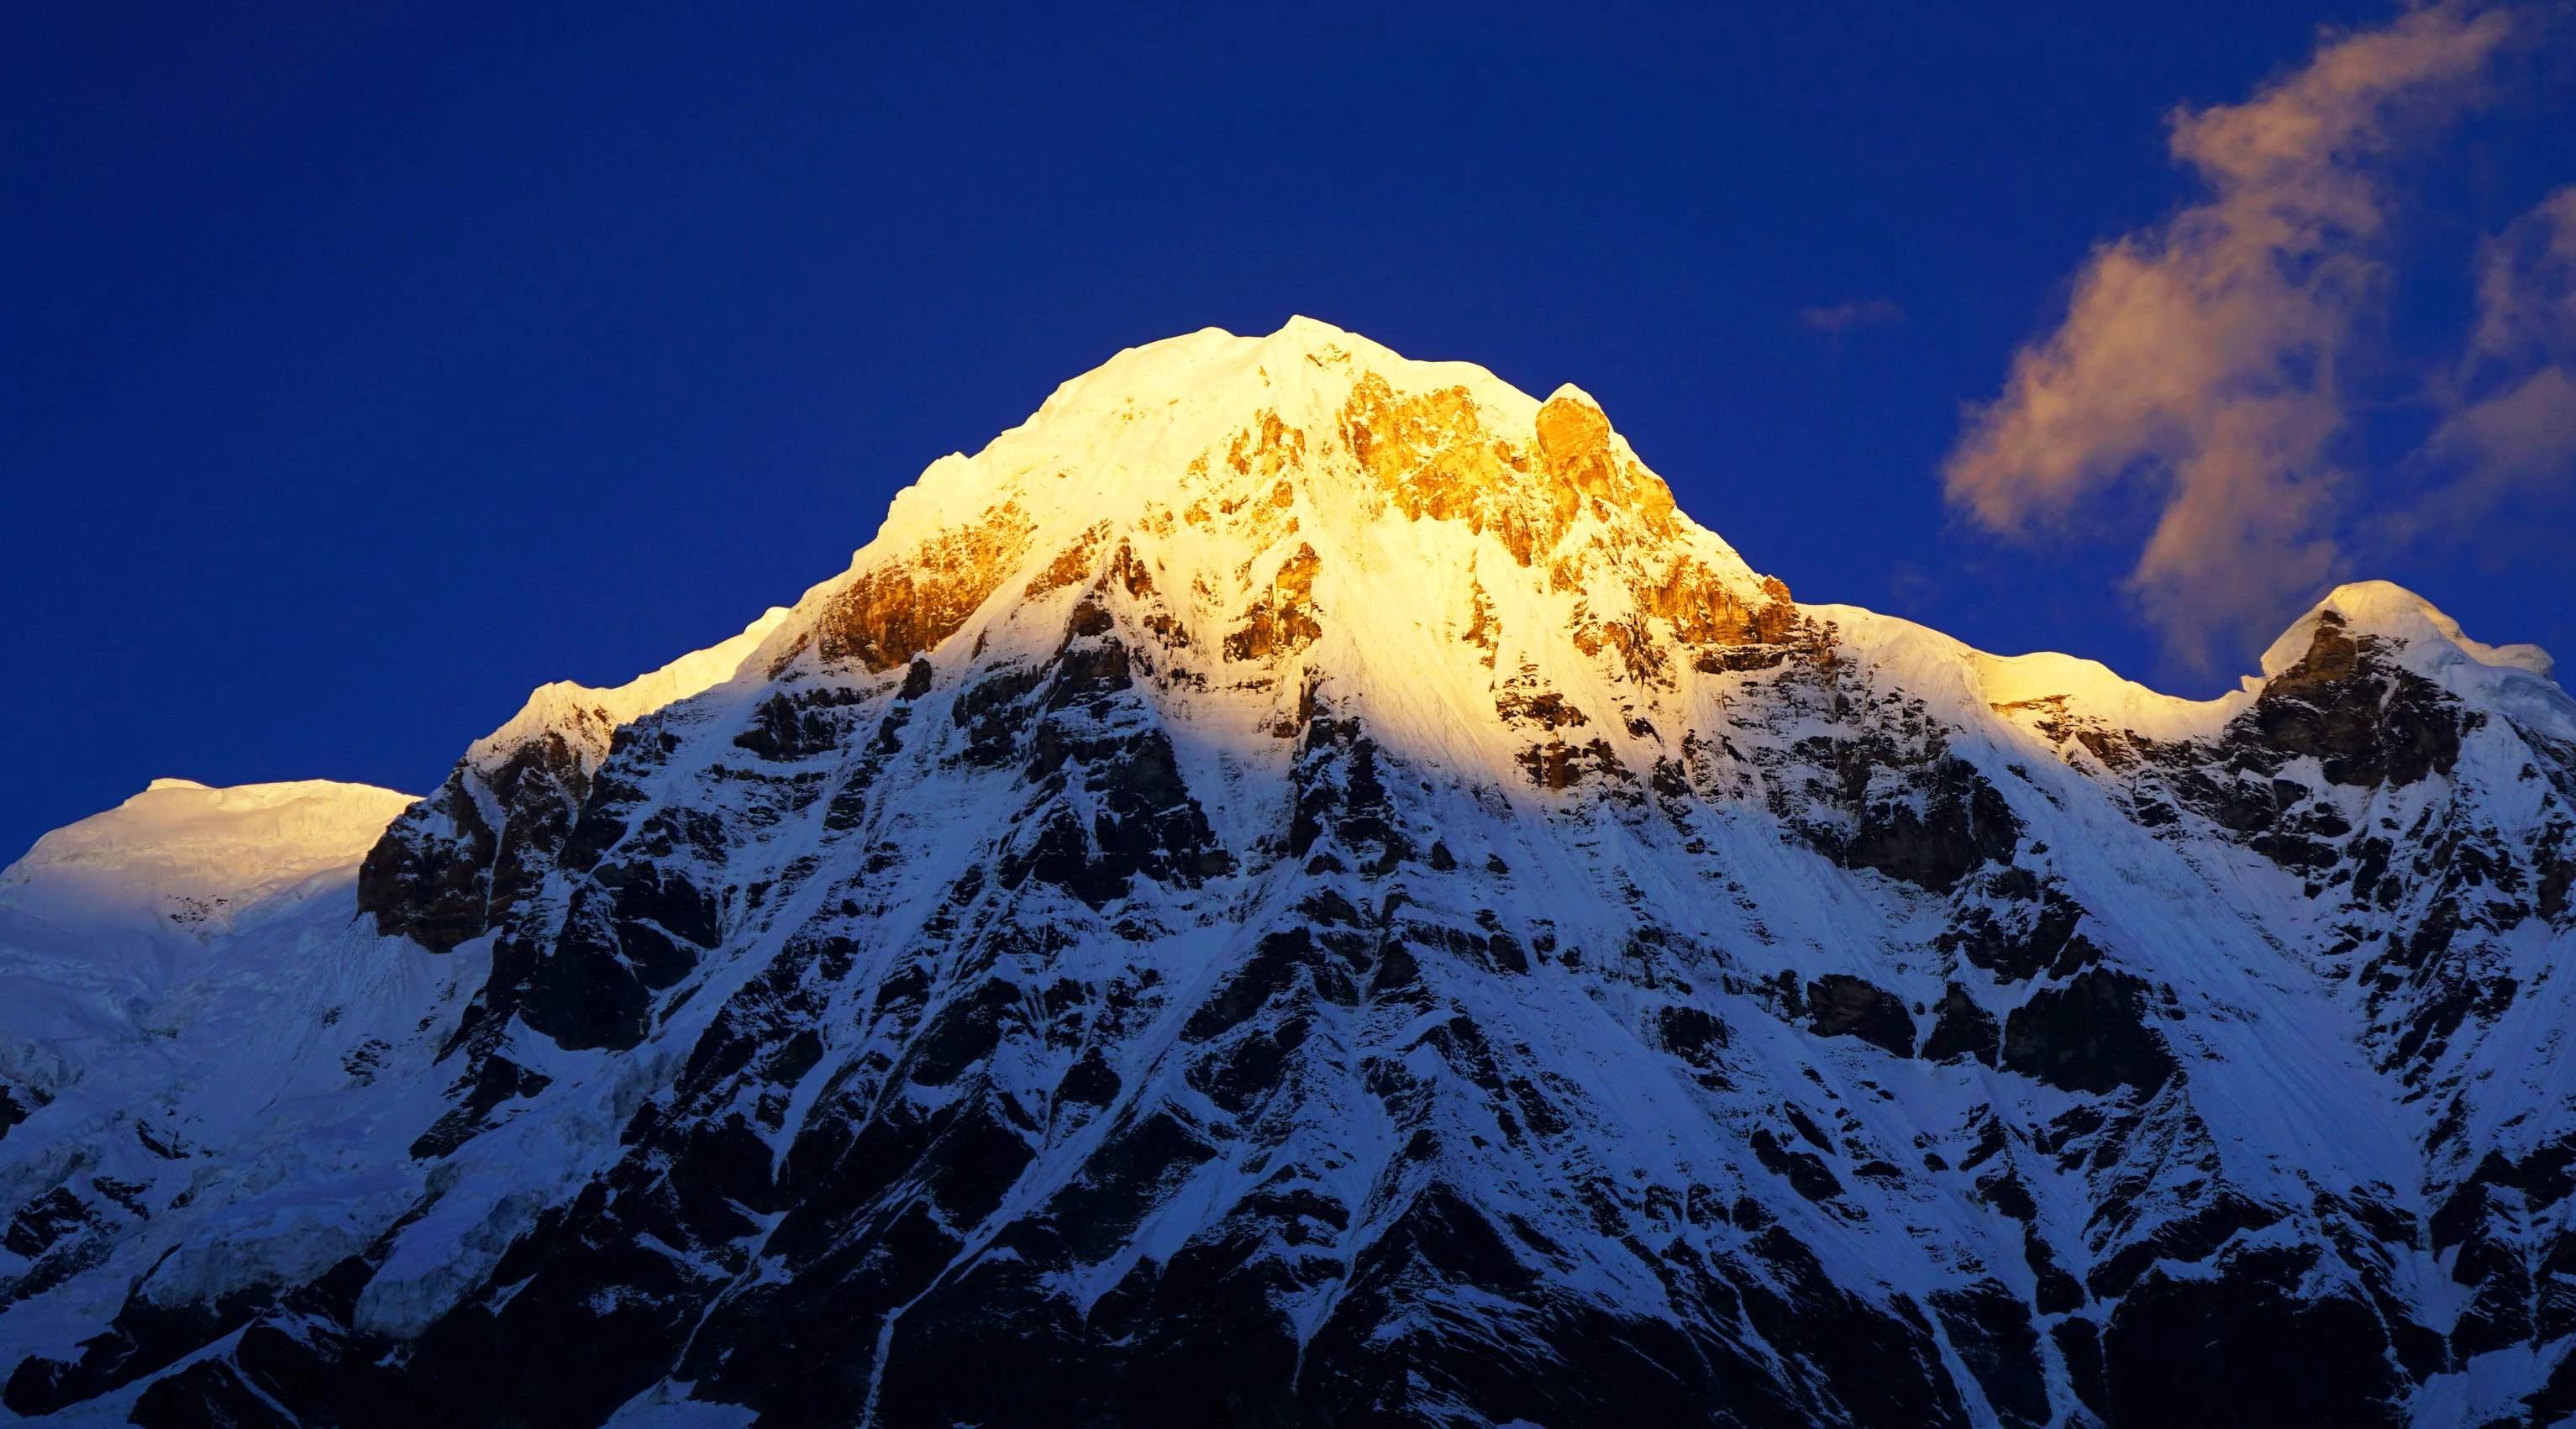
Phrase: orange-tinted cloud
(2206, 357)
(2510, 430)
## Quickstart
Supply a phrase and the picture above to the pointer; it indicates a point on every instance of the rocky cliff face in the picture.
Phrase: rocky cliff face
(1296, 888)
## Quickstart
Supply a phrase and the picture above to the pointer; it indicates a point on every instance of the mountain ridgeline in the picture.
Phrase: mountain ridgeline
(1297, 888)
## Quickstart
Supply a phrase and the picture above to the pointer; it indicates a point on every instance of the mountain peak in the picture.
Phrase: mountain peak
(1166, 416)
(2423, 638)
(1241, 481)
(202, 846)
(1302, 329)
(1296, 877)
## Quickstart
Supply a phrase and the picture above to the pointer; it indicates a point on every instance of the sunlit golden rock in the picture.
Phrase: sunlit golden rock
(890, 614)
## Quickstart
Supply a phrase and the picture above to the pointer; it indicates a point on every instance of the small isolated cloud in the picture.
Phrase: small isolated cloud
(2206, 357)
(1840, 318)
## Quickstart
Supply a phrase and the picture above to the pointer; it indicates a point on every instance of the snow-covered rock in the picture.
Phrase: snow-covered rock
(1295, 886)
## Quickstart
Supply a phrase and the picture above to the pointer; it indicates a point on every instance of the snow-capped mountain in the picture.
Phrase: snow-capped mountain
(1295, 887)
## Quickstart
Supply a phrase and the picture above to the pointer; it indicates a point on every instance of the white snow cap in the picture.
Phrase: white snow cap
(2425, 637)
(180, 839)
(1131, 425)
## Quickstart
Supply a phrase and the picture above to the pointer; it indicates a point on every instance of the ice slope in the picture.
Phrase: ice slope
(1296, 881)
(101, 916)
(166, 969)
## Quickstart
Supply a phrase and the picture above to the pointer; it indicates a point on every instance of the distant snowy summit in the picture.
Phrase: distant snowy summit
(1297, 887)
(180, 848)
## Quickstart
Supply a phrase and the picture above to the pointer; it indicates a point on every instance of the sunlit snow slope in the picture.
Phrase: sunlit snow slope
(1295, 887)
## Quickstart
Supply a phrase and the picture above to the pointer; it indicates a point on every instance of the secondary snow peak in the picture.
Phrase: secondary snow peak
(2417, 629)
(184, 846)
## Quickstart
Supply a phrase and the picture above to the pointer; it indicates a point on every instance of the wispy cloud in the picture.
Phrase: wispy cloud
(1840, 318)
(2509, 430)
(2206, 357)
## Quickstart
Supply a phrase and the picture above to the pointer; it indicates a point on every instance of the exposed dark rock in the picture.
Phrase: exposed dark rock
(429, 877)
(41, 1224)
(1805, 1171)
(496, 1080)
(2079, 1342)
(2090, 1035)
(210, 1394)
(1962, 822)
(799, 726)
(2513, 1267)
(1840, 1005)
(2248, 1347)
(2017, 938)
(1910, 809)
(2366, 720)
(1147, 823)
(992, 713)
(142, 1339)
(1560, 765)
(2186, 1239)
(1991, 1329)
(1695, 1036)
(1875, 1363)
(1961, 1029)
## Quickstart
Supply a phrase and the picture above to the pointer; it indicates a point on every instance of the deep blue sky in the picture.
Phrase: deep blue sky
(358, 373)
